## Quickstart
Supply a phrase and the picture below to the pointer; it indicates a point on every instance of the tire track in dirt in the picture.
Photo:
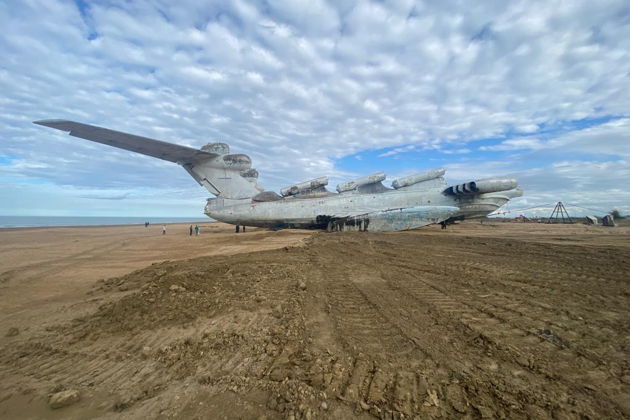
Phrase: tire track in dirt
(449, 348)
(382, 373)
(506, 274)
(362, 322)
(56, 265)
(521, 345)
(123, 373)
(389, 325)
(545, 326)
(517, 311)
(397, 386)
(137, 366)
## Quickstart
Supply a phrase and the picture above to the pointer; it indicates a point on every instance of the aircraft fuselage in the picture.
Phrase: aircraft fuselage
(316, 212)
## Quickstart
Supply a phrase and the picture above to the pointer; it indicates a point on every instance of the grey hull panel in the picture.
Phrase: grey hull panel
(410, 218)
(381, 221)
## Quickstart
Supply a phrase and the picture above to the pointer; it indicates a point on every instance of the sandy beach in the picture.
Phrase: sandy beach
(500, 320)
(43, 269)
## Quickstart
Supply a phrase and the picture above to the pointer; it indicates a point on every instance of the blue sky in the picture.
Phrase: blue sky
(531, 89)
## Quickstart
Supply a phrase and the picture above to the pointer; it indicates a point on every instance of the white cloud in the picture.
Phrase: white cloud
(515, 144)
(611, 138)
(457, 151)
(300, 84)
(397, 150)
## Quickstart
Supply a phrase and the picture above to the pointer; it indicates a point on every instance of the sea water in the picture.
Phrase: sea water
(43, 221)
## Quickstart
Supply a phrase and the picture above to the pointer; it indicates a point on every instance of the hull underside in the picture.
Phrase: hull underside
(401, 212)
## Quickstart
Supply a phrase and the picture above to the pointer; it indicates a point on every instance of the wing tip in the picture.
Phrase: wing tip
(49, 121)
(54, 123)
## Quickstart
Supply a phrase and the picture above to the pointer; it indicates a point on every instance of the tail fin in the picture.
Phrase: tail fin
(224, 175)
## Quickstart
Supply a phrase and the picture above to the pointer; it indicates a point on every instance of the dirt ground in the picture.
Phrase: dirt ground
(497, 320)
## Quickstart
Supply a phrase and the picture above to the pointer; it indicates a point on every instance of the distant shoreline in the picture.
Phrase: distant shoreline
(10, 228)
(36, 222)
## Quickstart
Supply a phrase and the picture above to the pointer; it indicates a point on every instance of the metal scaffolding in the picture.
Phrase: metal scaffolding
(560, 214)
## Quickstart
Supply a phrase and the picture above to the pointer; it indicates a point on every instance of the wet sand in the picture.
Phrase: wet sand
(499, 320)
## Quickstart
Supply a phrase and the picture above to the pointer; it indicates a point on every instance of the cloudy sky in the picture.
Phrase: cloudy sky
(535, 90)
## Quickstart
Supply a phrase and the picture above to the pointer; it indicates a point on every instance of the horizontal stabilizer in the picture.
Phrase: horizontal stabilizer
(144, 145)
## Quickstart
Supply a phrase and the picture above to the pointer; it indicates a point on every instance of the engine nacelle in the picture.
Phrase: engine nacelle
(237, 162)
(218, 148)
(483, 186)
(305, 186)
(366, 180)
(250, 173)
(421, 177)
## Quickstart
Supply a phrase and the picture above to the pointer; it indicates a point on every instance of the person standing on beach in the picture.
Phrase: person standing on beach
(190, 231)
(163, 229)
(197, 230)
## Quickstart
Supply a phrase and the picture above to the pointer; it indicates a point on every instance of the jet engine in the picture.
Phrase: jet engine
(218, 148)
(250, 173)
(482, 186)
(237, 162)
(366, 180)
(303, 187)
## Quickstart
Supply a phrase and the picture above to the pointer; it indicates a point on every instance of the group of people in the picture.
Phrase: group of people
(197, 230)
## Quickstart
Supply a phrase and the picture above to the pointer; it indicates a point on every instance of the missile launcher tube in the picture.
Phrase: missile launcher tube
(495, 184)
(421, 177)
(370, 179)
(304, 186)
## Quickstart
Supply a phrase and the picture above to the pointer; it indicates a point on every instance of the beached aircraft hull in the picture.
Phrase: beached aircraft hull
(363, 204)
(348, 211)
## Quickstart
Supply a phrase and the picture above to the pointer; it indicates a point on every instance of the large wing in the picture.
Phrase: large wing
(146, 146)
(229, 176)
